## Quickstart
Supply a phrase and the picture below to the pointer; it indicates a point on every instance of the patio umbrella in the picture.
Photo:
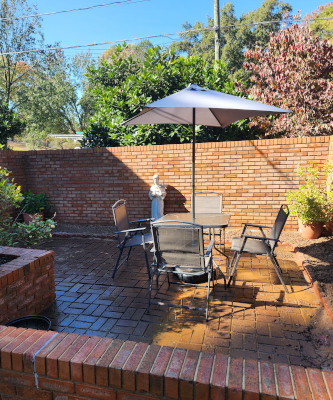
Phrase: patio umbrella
(198, 106)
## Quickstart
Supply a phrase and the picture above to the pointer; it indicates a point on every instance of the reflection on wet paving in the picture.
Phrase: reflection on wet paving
(253, 319)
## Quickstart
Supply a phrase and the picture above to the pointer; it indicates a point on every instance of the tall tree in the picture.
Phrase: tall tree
(294, 72)
(123, 86)
(17, 34)
(237, 34)
(322, 28)
(58, 100)
(45, 89)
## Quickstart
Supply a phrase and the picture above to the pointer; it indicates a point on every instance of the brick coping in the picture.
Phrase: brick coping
(105, 368)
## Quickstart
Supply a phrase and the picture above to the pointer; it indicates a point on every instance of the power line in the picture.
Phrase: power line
(101, 43)
(161, 35)
(116, 3)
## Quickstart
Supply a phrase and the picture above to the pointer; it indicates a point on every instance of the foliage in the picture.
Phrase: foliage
(234, 39)
(59, 102)
(324, 28)
(13, 233)
(313, 202)
(10, 193)
(63, 143)
(34, 203)
(32, 233)
(123, 86)
(10, 125)
(294, 72)
(136, 51)
(47, 91)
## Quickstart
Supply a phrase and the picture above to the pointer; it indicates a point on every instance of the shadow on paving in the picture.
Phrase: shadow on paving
(254, 318)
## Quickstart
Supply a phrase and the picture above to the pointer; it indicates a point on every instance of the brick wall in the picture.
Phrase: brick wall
(252, 175)
(27, 284)
(62, 366)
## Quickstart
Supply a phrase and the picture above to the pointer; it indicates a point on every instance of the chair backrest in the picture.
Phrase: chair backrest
(179, 244)
(278, 225)
(208, 202)
(120, 218)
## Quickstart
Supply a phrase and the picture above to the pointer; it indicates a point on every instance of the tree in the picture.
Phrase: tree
(10, 125)
(237, 35)
(324, 28)
(17, 34)
(123, 86)
(294, 72)
(137, 51)
(58, 101)
(46, 90)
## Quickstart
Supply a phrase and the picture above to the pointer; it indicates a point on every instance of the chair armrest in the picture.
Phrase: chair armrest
(141, 220)
(259, 238)
(256, 225)
(209, 248)
(132, 230)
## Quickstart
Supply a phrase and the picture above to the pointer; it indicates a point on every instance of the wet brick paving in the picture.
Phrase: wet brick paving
(254, 318)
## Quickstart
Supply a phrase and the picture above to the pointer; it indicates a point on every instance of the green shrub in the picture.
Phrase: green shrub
(313, 202)
(14, 233)
(35, 203)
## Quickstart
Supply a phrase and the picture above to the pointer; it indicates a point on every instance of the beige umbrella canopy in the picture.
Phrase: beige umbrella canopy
(199, 106)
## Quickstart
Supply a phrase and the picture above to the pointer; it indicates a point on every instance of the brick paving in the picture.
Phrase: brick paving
(253, 319)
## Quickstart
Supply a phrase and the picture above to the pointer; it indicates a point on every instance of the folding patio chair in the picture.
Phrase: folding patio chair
(260, 245)
(208, 202)
(129, 237)
(179, 250)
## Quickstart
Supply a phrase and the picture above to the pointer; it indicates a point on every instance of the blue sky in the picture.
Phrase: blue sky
(134, 20)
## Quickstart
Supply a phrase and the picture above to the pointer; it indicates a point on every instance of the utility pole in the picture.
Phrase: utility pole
(217, 29)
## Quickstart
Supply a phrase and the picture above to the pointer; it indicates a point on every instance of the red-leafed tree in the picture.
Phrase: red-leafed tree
(294, 72)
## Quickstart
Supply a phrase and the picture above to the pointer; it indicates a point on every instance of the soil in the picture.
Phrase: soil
(5, 258)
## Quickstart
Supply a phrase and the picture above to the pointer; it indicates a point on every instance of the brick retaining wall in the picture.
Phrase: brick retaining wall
(252, 175)
(61, 366)
(27, 284)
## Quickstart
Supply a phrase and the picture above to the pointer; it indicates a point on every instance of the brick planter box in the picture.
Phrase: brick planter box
(27, 284)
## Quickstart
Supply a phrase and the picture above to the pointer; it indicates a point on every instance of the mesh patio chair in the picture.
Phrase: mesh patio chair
(260, 245)
(129, 237)
(207, 202)
(179, 250)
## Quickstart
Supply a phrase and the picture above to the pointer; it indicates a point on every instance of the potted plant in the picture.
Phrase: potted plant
(313, 202)
(34, 204)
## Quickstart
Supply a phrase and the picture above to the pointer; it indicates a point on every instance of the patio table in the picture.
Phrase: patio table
(208, 221)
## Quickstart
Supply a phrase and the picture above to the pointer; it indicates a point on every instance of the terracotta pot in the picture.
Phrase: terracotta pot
(311, 231)
(31, 217)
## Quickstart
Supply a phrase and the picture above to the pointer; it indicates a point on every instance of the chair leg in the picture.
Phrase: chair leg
(146, 256)
(150, 287)
(277, 270)
(218, 269)
(208, 290)
(128, 254)
(233, 270)
(117, 263)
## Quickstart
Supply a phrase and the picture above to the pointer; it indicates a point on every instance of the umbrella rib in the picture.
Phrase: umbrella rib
(211, 110)
(144, 111)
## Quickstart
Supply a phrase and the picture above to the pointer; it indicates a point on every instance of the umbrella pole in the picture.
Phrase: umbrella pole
(193, 170)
